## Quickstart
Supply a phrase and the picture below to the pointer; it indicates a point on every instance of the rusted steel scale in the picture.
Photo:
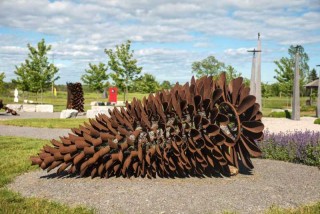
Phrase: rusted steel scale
(8, 110)
(75, 98)
(195, 129)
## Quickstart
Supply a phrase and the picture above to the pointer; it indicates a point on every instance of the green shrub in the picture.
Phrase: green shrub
(317, 121)
(284, 114)
(308, 108)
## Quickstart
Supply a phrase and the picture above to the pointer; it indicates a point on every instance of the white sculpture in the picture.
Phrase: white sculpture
(16, 93)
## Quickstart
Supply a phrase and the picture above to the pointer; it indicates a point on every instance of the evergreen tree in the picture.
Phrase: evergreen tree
(313, 75)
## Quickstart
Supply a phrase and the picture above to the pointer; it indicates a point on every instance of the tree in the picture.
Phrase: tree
(146, 84)
(268, 90)
(312, 75)
(123, 64)
(231, 73)
(96, 76)
(2, 76)
(165, 85)
(285, 75)
(23, 80)
(275, 89)
(304, 58)
(285, 70)
(36, 73)
(209, 66)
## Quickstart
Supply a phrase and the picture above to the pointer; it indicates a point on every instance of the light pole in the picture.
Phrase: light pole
(253, 80)
(258, 73)
(296, 88)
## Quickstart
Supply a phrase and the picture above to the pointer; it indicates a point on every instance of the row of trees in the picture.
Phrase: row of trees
(210, 66)
(284, 73)
(126, 72)
(125, 75)
(37, 74)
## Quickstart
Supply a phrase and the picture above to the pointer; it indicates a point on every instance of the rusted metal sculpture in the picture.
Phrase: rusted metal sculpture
(192, 130)
(8, 110)
(75, 98)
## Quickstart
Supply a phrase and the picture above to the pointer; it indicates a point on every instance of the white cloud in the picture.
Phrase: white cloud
(238, 51)
(81, 30)
(12, 50)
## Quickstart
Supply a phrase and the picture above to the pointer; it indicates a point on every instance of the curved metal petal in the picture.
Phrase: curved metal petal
(253, 126)
(246, 103)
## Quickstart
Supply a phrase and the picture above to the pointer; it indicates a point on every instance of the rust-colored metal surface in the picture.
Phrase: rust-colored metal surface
(8, 110)
(195, 129)
(75, 98)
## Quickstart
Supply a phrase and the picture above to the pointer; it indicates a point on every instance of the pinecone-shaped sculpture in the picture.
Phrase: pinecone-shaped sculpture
(192, 130)
(8, 110)
(75, 98)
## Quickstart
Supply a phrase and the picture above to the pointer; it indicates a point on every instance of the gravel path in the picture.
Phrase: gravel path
(274, 125)
(271, 182)
(41, 133)
(277, 125)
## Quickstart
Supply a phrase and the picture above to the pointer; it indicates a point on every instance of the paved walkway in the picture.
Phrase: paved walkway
(30, 115)
(274, 125)
(27, 115)
(42, 133)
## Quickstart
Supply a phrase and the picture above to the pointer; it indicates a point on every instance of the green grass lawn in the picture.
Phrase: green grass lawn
(14, 160)
(283, 103)
(46, 123)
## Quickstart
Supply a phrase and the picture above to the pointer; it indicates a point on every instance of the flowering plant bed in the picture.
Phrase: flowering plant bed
(298, 147)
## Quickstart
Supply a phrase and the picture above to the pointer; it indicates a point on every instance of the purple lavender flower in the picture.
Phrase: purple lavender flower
(298, 147)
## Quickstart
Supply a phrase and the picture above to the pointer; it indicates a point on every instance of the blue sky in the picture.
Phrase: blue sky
(167, 36)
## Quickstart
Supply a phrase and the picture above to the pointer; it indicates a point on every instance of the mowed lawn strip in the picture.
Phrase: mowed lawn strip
(46, 123)
(14, 160)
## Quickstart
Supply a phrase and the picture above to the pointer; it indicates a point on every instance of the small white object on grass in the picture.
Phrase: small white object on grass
(68, 113)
